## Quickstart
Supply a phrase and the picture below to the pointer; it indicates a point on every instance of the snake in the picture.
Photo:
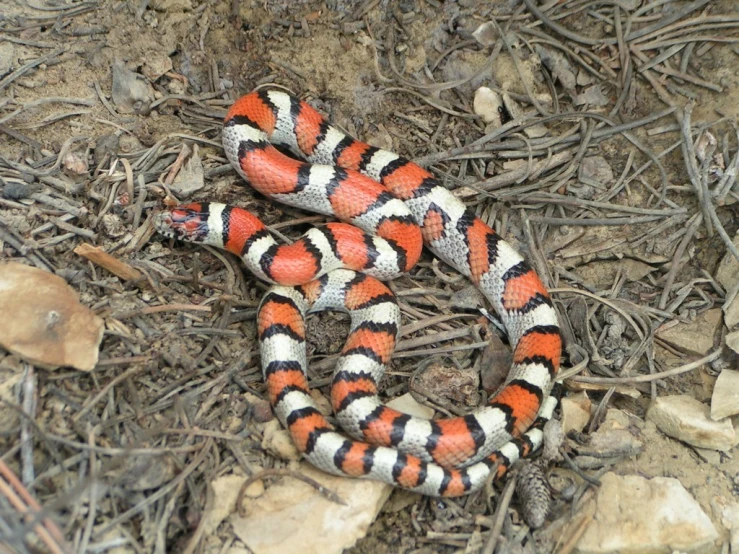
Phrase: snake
(387, 209)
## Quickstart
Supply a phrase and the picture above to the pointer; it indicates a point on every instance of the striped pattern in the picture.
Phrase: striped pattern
(389, 206)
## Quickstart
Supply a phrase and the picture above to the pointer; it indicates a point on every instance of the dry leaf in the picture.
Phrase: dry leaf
(45, 323)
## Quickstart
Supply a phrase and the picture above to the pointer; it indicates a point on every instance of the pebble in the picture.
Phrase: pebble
(575, 412)
(278, 442)
(595, 169)
(408, 405)
(487, 104)
(696, 337)
(727, 273)
(190, 178)
(725, 398)
(486, 34)
(685, 418)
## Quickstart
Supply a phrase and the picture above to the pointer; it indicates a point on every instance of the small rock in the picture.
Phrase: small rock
(595, 169)
(730, 520)
(106, 145)
(190, 178)
(731, 312)
(645, 516)
(725, 399)
(156, 64)
(226, 490)
(130, 94)
(558, 64)
(7, 58)
(45, 322)
(728, 270)
(278, 442)
(292, 516)
(732, 341)
(575, 412)
(487, 104)
(584, 78)
(592, 96)
(74, 164)
(696, 337)
(606, 444)
(260, 409)
(514, 108)
(486, 34)
(684, 418)
(408, 405)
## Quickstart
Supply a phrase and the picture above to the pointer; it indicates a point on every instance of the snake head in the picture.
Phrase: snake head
(188, 222)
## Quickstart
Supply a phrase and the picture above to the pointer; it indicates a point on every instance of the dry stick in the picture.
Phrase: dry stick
(30, 401)
(24, 502)
(99, 257)
(104, 391)
(192, 466)
(557, 28)
(27, 67)
(609, 381)
(701, 187)
(500, 513)
(518, 125)
(676, 260)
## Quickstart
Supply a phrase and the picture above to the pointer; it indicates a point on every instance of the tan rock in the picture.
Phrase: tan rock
(725, 398)
(697, 337)
(408, 405)
(635, 515)
(728, 270)
(292, 516)
(226, 490)
(685, 418)
(278, 442)
(575, 412)
(731, 312)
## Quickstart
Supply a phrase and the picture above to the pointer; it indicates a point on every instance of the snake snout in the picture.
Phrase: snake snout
(187, 222)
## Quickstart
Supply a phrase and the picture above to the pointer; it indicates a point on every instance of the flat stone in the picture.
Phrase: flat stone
(226, 489)
(409, 405)
(685, 418)
(575, 412)
(696, 337)
(278, 442)
(725, 398)
(732, 341)
(727, 273)
(730, 520)
(634, 515)
(731, 312)
(292, 516)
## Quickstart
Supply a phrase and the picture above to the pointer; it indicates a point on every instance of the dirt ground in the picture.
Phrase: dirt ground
(77, 156)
